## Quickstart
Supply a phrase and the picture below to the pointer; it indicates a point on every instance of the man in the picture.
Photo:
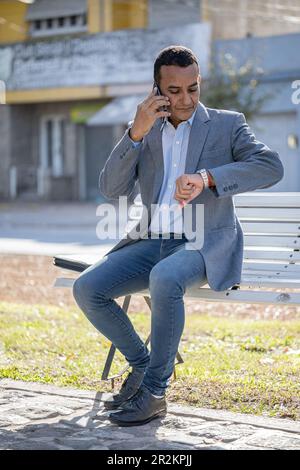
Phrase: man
(182, 153)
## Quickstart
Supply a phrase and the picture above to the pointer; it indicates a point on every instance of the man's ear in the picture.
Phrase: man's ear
(199, 78)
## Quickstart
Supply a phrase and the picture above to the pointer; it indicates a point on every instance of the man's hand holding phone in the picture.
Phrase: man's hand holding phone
(147, 113)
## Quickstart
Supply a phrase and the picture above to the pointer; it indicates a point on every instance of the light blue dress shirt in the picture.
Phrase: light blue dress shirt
(167, 216)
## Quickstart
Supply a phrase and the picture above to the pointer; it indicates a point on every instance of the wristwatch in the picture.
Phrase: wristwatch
(204, 175)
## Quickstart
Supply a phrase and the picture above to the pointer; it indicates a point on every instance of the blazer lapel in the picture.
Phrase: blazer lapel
(155, 144)
(198, 135)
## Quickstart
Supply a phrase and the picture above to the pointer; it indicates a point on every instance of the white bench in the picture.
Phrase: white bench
(271, 226)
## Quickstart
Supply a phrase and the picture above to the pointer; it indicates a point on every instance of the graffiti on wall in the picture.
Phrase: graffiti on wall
(106, 58)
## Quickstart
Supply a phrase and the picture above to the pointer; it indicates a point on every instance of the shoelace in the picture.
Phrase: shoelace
(137, 400)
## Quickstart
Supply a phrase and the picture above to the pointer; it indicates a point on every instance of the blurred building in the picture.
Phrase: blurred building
(233, 19)
(74, 71)
(278, 121)
(62, 61)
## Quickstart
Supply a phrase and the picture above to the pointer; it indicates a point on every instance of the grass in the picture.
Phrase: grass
(242, 365)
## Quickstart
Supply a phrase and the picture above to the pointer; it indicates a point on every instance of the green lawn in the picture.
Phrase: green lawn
(240, 365)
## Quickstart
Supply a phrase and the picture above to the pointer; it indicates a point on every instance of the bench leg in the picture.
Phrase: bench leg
(112, 349)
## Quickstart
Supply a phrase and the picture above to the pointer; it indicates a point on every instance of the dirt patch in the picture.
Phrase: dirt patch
(29, 279)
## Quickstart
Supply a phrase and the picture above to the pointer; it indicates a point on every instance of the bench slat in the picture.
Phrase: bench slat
(64, 282)
(287, 228)
(269, 281)
(238, 295)
(272, 241)
(85, 260)
(273, 267)
(274, 255)
(266, 213)
(271, 275)
(247, 296)
(272, 199)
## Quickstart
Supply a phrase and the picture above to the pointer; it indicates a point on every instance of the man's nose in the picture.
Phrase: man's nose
(187, 99)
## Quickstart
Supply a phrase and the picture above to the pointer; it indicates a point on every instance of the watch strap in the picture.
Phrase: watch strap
(204, 175)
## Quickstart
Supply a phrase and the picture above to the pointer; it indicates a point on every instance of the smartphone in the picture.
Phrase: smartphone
(162, 108)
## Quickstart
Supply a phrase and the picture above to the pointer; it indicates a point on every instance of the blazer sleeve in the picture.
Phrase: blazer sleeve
(120, 172)
(255, 165)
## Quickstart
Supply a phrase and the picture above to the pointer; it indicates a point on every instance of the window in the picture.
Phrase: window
(73, 21)
(59, 25)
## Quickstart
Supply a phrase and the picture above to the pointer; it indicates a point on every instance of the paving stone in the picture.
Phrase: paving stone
(280, 441)
(32, 445)
(14, 419)
(40, 416)
(36, 413)
(47, 431)
(98, 447)
(107, 434)
(223, 433)
(76, 443)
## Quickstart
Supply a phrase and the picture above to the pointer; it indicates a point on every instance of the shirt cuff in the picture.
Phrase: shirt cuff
(134, 143)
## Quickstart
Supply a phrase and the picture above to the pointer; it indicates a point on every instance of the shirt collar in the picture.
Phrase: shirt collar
(190, 121)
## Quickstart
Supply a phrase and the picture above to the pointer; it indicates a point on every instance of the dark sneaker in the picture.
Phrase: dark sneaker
(140, 409)
(129, 387)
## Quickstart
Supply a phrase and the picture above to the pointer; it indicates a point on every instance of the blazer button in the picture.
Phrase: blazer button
(230, 187)
(235, 185)
(225, 188)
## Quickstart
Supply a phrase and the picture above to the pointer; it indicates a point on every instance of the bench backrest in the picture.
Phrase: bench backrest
(271, 225)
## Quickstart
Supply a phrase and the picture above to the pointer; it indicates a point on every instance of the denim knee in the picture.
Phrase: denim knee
(84, 289)
(163, 281)
(77, 289)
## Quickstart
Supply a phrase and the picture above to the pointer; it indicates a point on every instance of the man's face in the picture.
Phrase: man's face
(182, 86)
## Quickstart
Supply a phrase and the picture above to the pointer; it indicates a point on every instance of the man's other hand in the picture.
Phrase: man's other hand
(188, 187)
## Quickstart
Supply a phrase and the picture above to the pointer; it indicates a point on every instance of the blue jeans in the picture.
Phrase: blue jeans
(167, 269)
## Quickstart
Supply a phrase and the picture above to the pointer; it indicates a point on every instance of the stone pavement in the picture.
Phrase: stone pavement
(38, 416)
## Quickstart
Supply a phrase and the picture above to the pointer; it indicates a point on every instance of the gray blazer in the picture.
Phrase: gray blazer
(221, 142)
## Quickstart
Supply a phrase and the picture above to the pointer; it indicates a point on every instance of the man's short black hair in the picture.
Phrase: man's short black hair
(173, 55)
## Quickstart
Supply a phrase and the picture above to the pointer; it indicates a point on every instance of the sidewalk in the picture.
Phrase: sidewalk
(37, 416)
(45, 228)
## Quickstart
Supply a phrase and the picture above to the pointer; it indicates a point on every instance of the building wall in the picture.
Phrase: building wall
(21, 135)
(20, 149)
(279, 117)
(229, 18)
(238, 18)
(176, 12)
(274, 129)
(111, 15)
(13, 26)
(129, 14)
